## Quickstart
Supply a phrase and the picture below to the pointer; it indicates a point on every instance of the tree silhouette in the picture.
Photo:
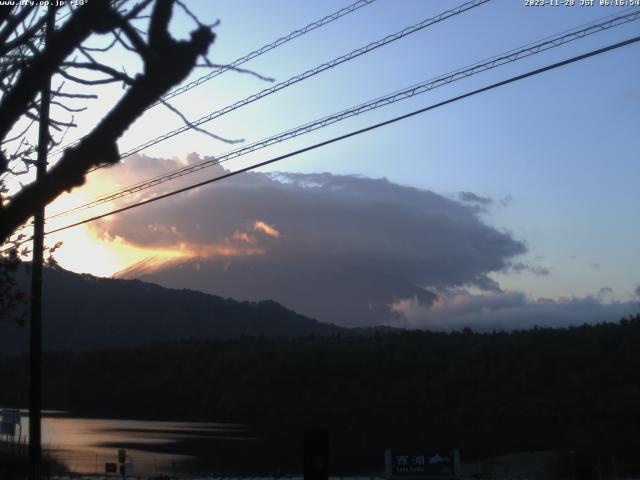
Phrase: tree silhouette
(68, 58)
(28, 62)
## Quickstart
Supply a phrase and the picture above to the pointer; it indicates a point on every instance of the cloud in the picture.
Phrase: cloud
(483, 203)
(539, 271)
(338, 248)
(520, 267)
(506, 201)
(605, 293)
(263, 227)
(504, 311)
(471, 197)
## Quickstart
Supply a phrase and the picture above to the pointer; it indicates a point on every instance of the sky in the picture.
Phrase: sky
(514, 207)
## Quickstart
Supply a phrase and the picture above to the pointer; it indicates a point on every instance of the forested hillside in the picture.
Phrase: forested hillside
(575, 389)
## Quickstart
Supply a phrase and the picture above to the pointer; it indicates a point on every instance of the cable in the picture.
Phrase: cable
(251, 55)
(511, 56)
(305, 75)
(348, 135)
(266, 48)
(360, 131)
(310, 73)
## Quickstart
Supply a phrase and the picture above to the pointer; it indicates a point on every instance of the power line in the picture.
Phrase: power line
(266, 48)
(509, 57)
(343, 137)
(360, 131)
(303, 76)
(251, 55)
(310, 73)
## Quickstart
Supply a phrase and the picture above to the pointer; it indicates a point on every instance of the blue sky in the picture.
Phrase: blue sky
(562, 147)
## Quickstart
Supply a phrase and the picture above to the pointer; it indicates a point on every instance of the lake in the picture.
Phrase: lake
(84, 445)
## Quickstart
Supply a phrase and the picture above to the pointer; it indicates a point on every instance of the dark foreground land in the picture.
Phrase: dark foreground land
(14, 464)
(573, 391)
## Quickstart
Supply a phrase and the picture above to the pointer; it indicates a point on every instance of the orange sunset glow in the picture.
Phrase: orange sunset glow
(88, 249)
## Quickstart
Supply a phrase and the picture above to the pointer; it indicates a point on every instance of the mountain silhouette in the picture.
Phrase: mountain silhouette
(83, 312)
(334, 291)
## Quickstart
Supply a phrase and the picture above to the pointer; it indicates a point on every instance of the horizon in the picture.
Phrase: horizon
(542, 238)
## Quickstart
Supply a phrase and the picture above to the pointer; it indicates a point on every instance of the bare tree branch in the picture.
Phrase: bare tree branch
(139, 7)
(12, 21)
(84, 81)
(121, 76)
(196, 128)
(75, 95)
(167, 62)
(101, 49)
(95, 16)
(67, 108)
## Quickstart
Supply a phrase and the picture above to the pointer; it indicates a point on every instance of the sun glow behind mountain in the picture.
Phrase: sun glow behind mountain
(86, 249)
(91, 248)
(86, 252)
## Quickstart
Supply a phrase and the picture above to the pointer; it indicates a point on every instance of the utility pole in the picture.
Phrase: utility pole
(35, 340)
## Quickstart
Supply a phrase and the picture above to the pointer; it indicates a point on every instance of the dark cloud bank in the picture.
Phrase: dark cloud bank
(345, 249)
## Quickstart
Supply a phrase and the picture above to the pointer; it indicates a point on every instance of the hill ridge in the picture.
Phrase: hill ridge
(83, 312)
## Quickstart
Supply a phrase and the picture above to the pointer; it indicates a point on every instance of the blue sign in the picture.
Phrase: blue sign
(11, 416)
(423, 464)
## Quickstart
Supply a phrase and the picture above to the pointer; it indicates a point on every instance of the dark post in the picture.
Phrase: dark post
(35, 357)
(316, 454)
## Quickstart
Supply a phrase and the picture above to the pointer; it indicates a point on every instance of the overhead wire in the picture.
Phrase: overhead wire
(266, 48)
(492, 86)
(311, 73)
(408, 92)
(250, 56)
(487, 88)
(305, 75)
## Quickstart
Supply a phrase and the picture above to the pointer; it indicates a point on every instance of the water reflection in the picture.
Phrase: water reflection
(84, 445)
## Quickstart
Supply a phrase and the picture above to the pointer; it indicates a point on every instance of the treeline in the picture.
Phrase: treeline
(570, 390)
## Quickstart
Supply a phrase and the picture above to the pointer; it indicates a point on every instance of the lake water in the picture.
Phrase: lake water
(84, 445)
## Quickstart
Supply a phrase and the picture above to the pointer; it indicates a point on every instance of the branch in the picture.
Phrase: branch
(54, 123)
(19, 135)
(134, 37)
(92, 17)
(163, 70)
(196, 128)
(208, 64)
(74, 95)
(23, 37)
(101, 81)
(12, 23)
(68, 109)
(101, 68)
(159, 24)
(101, 49)
(137, 9)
